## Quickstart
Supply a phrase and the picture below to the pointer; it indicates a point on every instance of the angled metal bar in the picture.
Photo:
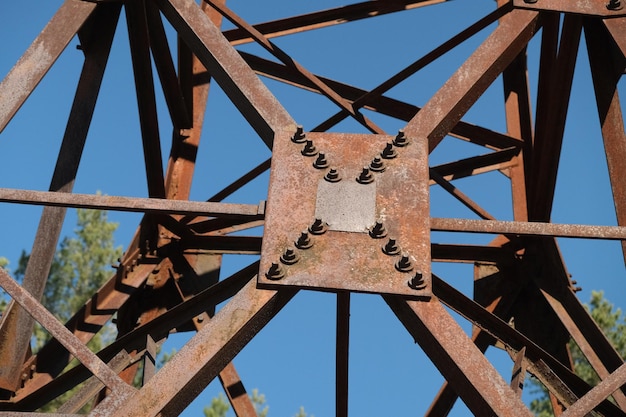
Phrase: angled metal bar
(512, 338)
(165, 68)
(247, 92)
(437, 118)
(469, 253)
(342, 354)
(40, 56)
(99, 369)
(93, 385)
(519, 125)
(47, 389)
(131, 204)
(552, 107)
(322, 87)
(459, 195)
(416, 66)
(206, 354)
(606, 360)
(146, 100)
(477, 164)
(607, 67)
(593, 398)
(528, 228)
(236, 392)
(326, 18)
(617, 29)
(461, 363)
(243, 180)
(16, 326)
(384, 105)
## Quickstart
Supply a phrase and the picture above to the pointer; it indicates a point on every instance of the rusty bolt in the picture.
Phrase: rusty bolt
(200, 319)
(614, 5)
(391, 247)
(378, 230)
(404, 264)
(299, 136)
(309, 149)
(401, 140)
(318, 227)
(332, 175)
(365, 177)
(304, 241)
(275, 272)
(530, 1)
(289, 257)
(377, 165)
(388, 152)
(417, 282)
(320, 162)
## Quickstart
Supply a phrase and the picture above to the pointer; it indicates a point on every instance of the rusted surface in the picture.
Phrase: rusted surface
(365, 230)
(529, 228)
(41, 55)
(246, 91)
(480, 386)
(349, 255)
(601, 391)
(583, 7)
(448, 105)
(16, 325)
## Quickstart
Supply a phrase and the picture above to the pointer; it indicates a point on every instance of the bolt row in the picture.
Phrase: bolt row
(291, 256)
(403, 264)
(366, 176)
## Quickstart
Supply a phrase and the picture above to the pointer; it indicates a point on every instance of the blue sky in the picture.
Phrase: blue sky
(292, 360)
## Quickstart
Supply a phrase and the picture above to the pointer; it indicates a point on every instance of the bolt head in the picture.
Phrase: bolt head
(391, 248)
(332, 175)
(417, 282)
(275, 272)
(289, 257)
(304, 241)
(400, 140)
(299, 136)
(378, 231)
(309, 149)
(404, 264)
(377, 165)
(389, 152)
(320, 162)
(318, 227)
(365, 177)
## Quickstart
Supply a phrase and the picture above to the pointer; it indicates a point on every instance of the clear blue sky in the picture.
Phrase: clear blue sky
(292, 360)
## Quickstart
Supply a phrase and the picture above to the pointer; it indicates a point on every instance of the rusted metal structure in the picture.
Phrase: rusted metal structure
(345, 211)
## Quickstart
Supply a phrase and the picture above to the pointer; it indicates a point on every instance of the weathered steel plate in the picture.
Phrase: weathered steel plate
(347, 254)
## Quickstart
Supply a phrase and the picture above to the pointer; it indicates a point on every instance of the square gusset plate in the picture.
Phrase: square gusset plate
(348, 212)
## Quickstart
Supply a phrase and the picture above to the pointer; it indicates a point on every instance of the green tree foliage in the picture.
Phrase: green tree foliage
(219, 406)
(613, 324)
(80, 267)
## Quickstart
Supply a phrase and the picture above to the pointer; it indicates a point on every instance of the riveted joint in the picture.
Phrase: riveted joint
(417, 282)
(391, 248)
(378, 231)
(377, 165)
(299, 136)
(320, 162)
(309, 149)
(332, 175)
(289, 257)
(275, 272)
(400, 140)
(404, 264)
(319, 227)
(389, 152)
(304, 241)
(365, 177)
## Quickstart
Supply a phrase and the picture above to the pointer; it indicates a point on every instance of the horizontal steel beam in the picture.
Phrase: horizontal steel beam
(528, 228)
(133, 204)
